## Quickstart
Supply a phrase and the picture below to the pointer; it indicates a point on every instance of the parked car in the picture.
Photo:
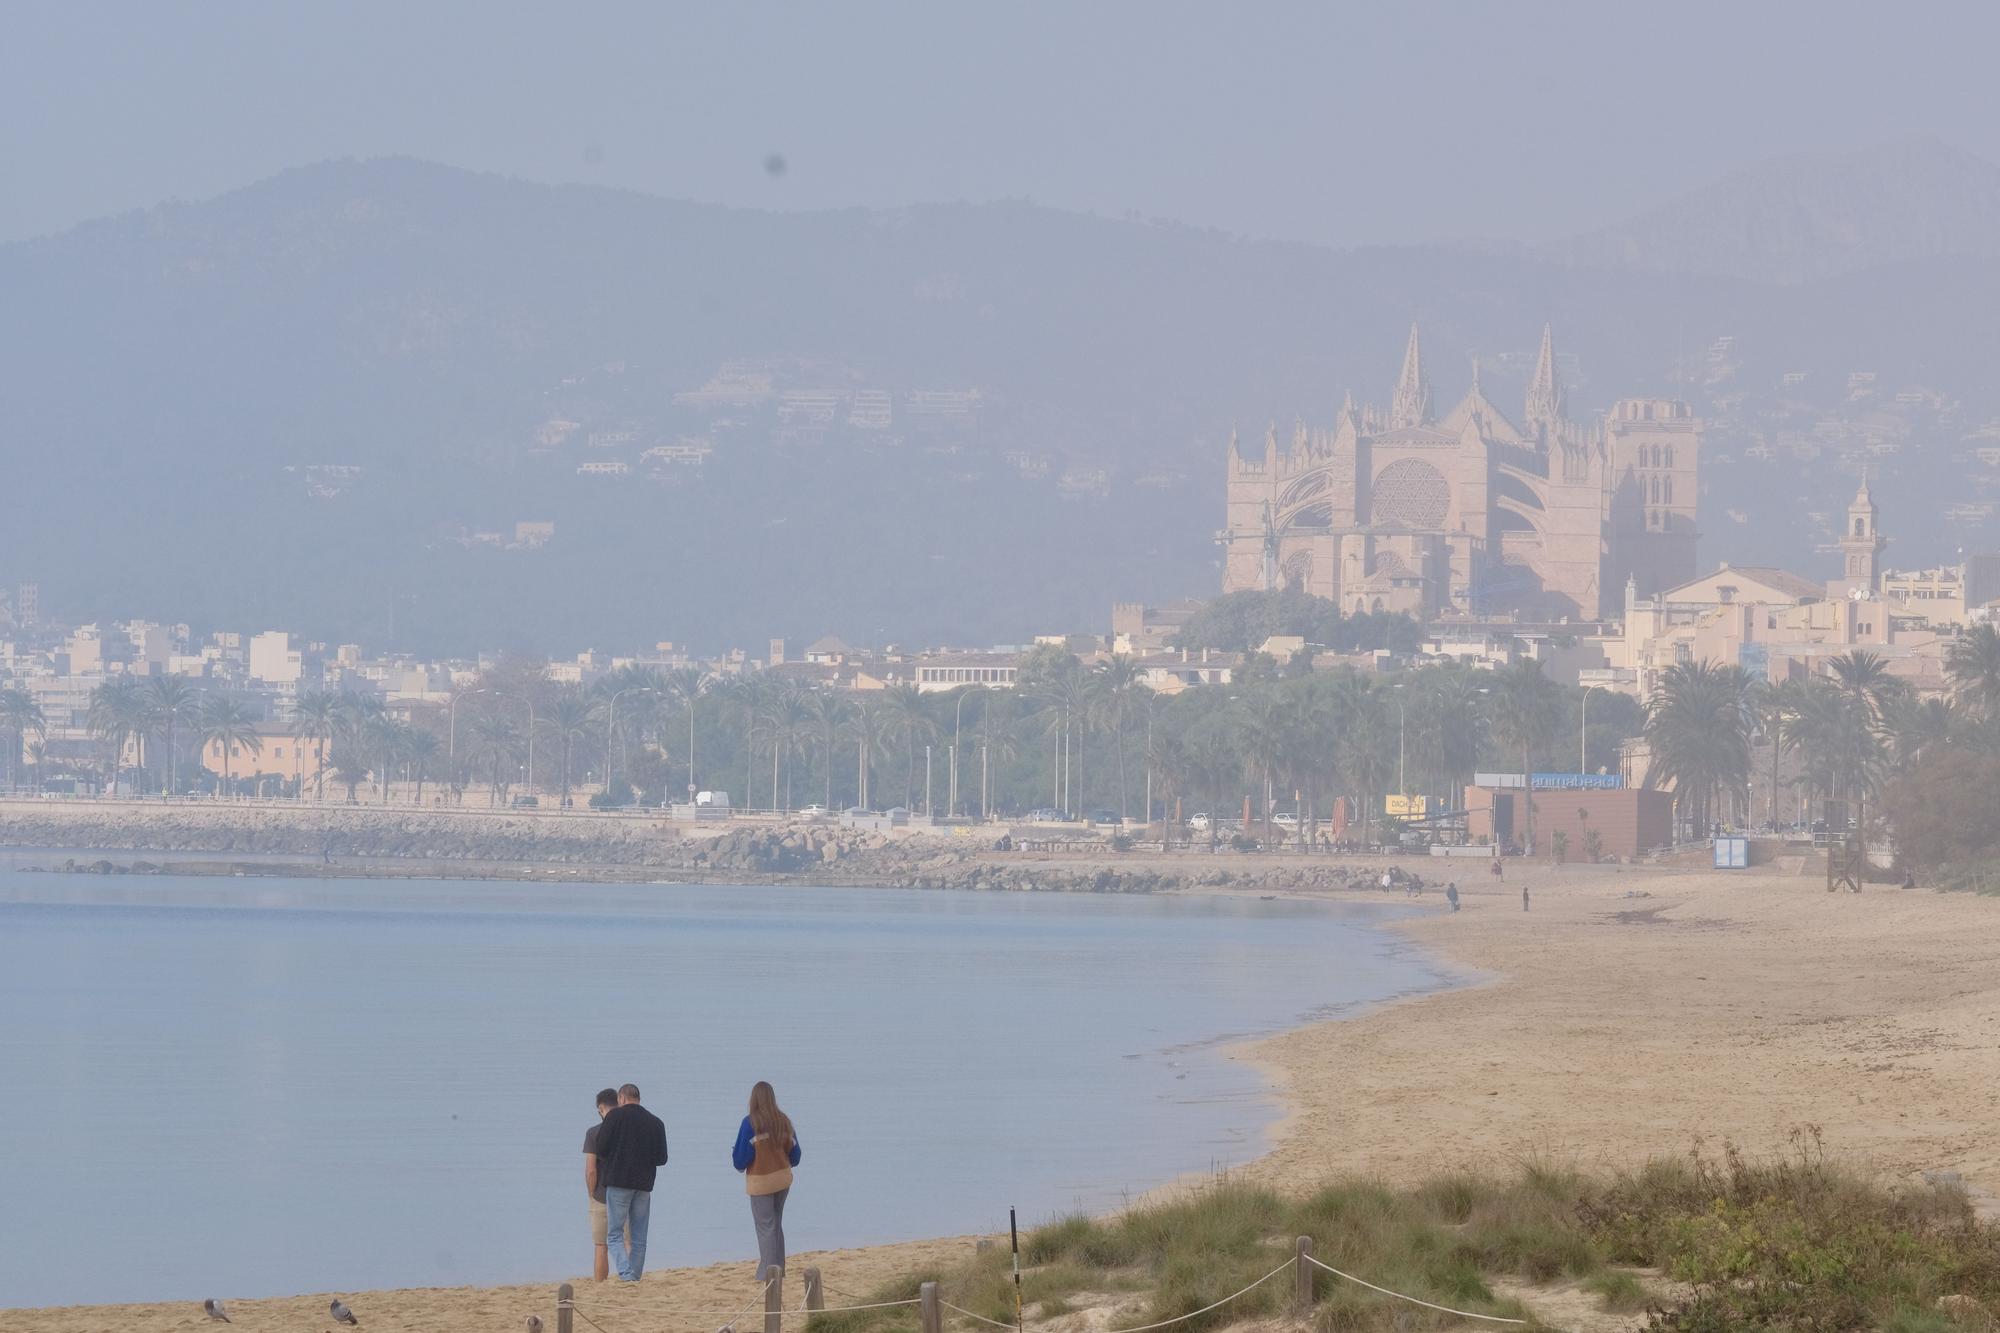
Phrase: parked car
(1044, 815)
(1111, 817)
(1285, 819)
(1198, 822)
(527, 802)
(812, 812)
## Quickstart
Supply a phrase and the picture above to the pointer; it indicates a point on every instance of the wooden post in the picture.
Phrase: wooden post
(815, 1293)
(774, 1303)
(1302, 1273)
(565, 1315)
(930, 1316)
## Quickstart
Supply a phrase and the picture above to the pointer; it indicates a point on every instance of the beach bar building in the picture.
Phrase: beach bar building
(1628, 821)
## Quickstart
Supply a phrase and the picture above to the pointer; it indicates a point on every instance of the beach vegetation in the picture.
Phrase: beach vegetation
(1698, 1243)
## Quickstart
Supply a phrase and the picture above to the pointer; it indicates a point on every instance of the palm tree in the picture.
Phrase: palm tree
(117, 714)
(1121, 690)
(226, 722)
(495, 739)
(1972, 663)
(420, 751)
(1369, 734)
(786, 715)
(1067, 699)
(570, 717)
(316, 719)
(1865, 676)
(1524, 704)
(1919, 728)
(1213, 765)
(865, 729)
(1698, 724)
(686, 684)
(907, 718)
(169, 699)
(19, 715)
(1447, 726)
(828, 712)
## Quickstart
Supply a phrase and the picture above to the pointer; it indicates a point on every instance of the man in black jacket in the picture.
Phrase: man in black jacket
(631, 1149)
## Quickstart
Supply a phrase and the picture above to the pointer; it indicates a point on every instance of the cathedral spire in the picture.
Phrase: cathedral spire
(1545, 395)
(1412, 404)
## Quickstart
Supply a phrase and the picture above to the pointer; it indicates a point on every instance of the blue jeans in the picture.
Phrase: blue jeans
(628, 1212)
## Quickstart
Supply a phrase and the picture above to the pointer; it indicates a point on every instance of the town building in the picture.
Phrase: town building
(1403, 510)
(276, 751)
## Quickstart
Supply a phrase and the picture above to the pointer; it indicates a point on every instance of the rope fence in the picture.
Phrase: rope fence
(1466, 1314)
(932, 1306)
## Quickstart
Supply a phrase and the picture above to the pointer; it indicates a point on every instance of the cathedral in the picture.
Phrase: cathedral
(1468, 513)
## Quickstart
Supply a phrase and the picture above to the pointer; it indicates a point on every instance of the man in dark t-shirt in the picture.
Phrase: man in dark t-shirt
(631, 1148)
(600, 1267)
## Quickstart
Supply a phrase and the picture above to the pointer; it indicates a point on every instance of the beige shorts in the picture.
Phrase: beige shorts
(600, 1221)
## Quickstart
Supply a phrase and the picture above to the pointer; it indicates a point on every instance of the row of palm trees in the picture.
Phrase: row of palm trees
(1075, 736)
(1847, 728)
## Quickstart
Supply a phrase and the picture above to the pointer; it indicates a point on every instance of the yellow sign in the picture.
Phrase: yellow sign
(1405, 805)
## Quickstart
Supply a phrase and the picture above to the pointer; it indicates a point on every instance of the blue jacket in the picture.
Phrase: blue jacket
(745, 1152)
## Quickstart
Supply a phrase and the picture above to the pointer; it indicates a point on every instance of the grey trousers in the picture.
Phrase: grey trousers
(768, 1212)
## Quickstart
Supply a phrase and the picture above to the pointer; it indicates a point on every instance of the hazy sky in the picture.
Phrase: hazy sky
(1373, 122)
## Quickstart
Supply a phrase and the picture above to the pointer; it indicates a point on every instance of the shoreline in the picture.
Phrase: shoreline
(1633, 1012)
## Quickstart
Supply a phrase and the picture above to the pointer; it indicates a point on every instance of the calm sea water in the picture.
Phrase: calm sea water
(262, 1086)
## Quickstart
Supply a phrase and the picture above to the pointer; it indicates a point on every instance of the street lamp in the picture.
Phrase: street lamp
(1402, 783)
(451, 728)
(1583, 733)
(611, 730)
(957, 717)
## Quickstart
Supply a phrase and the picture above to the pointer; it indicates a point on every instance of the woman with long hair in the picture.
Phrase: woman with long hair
(767, 1148)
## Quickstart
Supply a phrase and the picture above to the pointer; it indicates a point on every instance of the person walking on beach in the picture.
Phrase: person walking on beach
(593, 1184)
(1524, 897)
(631, 1149)
(1451, 894)
(767, 1148)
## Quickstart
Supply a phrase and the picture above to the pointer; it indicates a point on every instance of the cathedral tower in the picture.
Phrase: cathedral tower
(1544, 410)
(1411, 405)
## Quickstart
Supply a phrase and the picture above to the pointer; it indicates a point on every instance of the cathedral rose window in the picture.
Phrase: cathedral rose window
(1410, 493)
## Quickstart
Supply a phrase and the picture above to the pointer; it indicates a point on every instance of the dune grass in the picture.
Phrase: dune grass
(1791, 1243)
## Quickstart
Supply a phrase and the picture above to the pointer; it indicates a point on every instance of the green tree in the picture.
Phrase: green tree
(227, 722)
(170, 701)
(829, 715)
(1523, 714)
(1122, 693)
(316, 720)
(787, 714)
(1698, 724)
(570, 716)
(497, 742)
(420, 752)
(687, 685)
(19, 715)
(1972, 663)
(905, 716)
(117, 715)
(865, 728)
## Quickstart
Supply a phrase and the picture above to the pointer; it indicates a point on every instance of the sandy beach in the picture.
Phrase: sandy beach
(1632, 1011)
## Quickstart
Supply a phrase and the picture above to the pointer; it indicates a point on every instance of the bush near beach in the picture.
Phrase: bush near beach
(1702, 1243)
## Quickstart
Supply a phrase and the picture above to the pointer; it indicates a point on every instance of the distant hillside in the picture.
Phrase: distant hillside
(1813, 216)
(326, 401)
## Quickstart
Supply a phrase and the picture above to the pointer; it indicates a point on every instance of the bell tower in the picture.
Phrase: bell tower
(1861, 543)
